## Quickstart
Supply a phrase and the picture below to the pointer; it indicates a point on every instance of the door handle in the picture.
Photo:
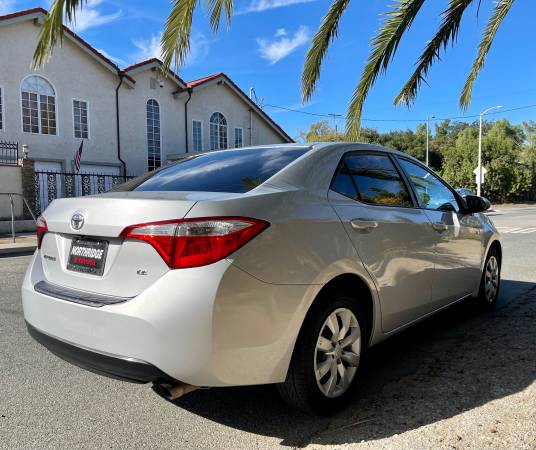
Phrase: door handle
(440, 227)
(363, 224)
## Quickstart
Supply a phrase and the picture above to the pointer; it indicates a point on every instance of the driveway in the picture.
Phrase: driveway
(461, 379)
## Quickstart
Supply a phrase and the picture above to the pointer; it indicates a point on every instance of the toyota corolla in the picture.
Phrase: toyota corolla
(265, 265)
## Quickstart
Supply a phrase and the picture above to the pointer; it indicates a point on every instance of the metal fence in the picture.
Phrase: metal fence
(9, 153)
(52, 185)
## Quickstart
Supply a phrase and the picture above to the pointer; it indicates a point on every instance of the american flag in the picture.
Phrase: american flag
(78, 157)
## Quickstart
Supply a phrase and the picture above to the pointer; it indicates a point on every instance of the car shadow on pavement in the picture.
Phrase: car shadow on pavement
(453, 362)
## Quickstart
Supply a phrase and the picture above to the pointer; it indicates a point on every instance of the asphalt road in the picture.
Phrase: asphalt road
(442, 384)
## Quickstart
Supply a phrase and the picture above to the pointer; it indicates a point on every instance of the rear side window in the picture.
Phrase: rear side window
(374, 177)
(221, 171)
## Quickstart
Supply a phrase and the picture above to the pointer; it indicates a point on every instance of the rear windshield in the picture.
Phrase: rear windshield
(221, 171)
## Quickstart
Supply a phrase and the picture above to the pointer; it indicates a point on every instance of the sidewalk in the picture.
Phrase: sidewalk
(24, 243)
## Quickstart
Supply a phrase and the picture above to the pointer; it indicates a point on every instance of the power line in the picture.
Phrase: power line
(437, 119)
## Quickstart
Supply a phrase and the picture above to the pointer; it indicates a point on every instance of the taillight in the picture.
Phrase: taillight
(41, 229)
(196, 242)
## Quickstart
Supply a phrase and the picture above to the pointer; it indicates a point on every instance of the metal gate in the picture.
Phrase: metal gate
(9, 153)
(53, 185)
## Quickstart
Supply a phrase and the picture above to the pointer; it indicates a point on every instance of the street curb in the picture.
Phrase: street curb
(15, 251)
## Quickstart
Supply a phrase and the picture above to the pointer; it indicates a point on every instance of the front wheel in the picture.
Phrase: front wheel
(325, 364)
(491, 280)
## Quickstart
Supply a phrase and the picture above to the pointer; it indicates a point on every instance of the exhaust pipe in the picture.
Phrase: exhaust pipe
(173, 391)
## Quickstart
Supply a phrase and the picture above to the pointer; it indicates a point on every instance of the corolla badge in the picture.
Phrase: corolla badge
(77, 221)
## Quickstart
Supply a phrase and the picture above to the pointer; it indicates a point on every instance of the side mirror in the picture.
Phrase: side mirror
(476, 204)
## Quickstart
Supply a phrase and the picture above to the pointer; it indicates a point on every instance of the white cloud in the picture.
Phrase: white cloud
(90, 17)
(281, 46)
(7, 6)
(118, 61)
(150, 48)
(265, 5)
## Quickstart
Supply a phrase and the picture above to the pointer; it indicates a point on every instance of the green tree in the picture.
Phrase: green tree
(399, 18)
(508, 176)
(322, 132)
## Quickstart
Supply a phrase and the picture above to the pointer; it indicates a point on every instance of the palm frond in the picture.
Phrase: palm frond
(384, 46)
(52, 30)
(447, 33)
(215, 8)
(500, 11)
(319, 46)
(175, 40)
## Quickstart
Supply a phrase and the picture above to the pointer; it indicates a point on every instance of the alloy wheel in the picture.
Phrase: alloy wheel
(337, 352)
(491, 279)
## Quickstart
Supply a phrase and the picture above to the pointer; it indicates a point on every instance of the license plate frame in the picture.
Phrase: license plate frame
(89, 256)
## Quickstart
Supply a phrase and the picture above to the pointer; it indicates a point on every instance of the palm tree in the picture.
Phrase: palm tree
(398, 20)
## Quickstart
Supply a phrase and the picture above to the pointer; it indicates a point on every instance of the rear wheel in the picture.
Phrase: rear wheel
(327, 357)
(491, 280)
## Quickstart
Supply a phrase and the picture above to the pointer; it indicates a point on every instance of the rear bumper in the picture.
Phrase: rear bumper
(113, 366)
(209, 326)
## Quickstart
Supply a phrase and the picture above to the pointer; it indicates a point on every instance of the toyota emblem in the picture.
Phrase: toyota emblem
(77, 221)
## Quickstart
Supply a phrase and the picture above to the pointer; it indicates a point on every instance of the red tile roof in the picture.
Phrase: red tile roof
(200, 81)
(75, 36)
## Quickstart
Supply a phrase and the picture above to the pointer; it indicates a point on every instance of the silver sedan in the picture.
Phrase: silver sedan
(277, 264)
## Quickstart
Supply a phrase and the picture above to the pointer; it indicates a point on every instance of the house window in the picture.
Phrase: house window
(153, 135)
(197, 135)
(1, 110)
(238, 137)
(38, 106)
(218, 131)
(80, 118)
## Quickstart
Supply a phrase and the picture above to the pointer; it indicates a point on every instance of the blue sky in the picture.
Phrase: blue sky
(266, 45)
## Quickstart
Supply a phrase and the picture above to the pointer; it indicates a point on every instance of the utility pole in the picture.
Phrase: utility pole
(479, 166)
(335, 117)
(427, 138)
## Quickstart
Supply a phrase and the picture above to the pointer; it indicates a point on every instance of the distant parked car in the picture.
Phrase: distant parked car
(258, 265)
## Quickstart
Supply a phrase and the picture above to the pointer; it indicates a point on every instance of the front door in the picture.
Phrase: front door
(458, 249)
(393, 237)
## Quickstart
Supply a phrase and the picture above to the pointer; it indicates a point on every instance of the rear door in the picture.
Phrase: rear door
(392, 236)
(458, 248)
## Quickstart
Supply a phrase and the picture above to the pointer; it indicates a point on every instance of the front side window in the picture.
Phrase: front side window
(80, 118)
(38, 106)
(375, 180)
(238, 137)
(154, 160)
(230, 171)
(432, 193)
(218, 131)
(197, 135)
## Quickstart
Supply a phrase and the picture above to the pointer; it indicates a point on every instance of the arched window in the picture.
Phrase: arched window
(154, 160)
(218, 131)
(38, 106)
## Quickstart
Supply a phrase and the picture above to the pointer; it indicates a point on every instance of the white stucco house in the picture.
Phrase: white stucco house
(131, 119)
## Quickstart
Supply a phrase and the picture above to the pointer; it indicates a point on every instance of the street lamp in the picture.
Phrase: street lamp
(479, 167)
(427, 133)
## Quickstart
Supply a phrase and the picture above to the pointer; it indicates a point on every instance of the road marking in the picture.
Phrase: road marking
(516, 230)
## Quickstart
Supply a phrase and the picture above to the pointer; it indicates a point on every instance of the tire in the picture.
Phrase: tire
(315, 349)
(490, 281)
